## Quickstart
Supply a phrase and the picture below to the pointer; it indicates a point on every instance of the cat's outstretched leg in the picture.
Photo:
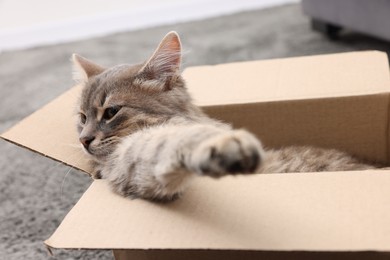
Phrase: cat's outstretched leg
(232, 152)
(224, 153)
(157, 163)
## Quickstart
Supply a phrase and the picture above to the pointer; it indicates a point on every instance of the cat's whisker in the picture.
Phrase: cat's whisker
(75, 155)
(63, 182)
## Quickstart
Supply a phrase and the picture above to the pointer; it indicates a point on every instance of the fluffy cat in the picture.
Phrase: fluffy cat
(147, 138)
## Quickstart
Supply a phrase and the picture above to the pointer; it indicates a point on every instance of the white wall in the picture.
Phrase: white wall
(39, 22)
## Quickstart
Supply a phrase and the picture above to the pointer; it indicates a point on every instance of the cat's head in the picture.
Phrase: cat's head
(122, 99)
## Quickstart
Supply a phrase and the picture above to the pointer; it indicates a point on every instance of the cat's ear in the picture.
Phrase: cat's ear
(83, 68)
(166, 59)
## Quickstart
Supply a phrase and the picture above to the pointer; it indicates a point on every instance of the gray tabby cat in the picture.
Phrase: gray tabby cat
(147, 138)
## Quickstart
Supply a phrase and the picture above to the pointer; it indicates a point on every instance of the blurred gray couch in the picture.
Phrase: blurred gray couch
(371, 17)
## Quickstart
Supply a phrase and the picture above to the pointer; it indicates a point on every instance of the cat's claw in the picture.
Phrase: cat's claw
(237, 152)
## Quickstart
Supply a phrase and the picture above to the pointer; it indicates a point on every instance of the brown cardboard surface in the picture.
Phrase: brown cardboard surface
(321, 76)
(51, 131)
(346, 211)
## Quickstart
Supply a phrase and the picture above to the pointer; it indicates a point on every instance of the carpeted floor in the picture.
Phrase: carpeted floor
(35, 192)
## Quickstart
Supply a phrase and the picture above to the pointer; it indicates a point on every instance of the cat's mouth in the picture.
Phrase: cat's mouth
(103, 148)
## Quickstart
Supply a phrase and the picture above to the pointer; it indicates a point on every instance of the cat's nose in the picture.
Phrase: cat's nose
(86, 141)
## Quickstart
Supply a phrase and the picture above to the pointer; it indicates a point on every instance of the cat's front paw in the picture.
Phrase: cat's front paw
(236, 152)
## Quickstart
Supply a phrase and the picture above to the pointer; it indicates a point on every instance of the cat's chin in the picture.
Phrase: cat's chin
(98, 159)
(93, 156)
(86, 151)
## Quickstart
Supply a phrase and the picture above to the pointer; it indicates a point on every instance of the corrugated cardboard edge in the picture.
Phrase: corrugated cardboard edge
(45, 155)
(388, 110)
(388, 130)
(247, 254)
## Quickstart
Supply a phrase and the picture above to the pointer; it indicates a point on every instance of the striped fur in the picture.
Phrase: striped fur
(145, 136)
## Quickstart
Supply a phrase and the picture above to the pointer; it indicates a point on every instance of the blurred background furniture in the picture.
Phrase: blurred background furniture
(364, 16)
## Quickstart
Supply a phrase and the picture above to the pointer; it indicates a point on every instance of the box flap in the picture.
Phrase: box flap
(310, 77)
(346, 211)
(51, 130)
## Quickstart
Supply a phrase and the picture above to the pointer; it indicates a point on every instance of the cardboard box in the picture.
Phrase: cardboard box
(339, 101)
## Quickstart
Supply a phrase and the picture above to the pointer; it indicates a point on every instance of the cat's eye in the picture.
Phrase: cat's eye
(83, 118)
(110, 112)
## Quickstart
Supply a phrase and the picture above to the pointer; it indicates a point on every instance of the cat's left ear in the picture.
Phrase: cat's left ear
(165, 61)
(83, 68)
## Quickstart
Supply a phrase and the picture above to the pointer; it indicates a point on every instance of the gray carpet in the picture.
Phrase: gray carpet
(35, 192)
